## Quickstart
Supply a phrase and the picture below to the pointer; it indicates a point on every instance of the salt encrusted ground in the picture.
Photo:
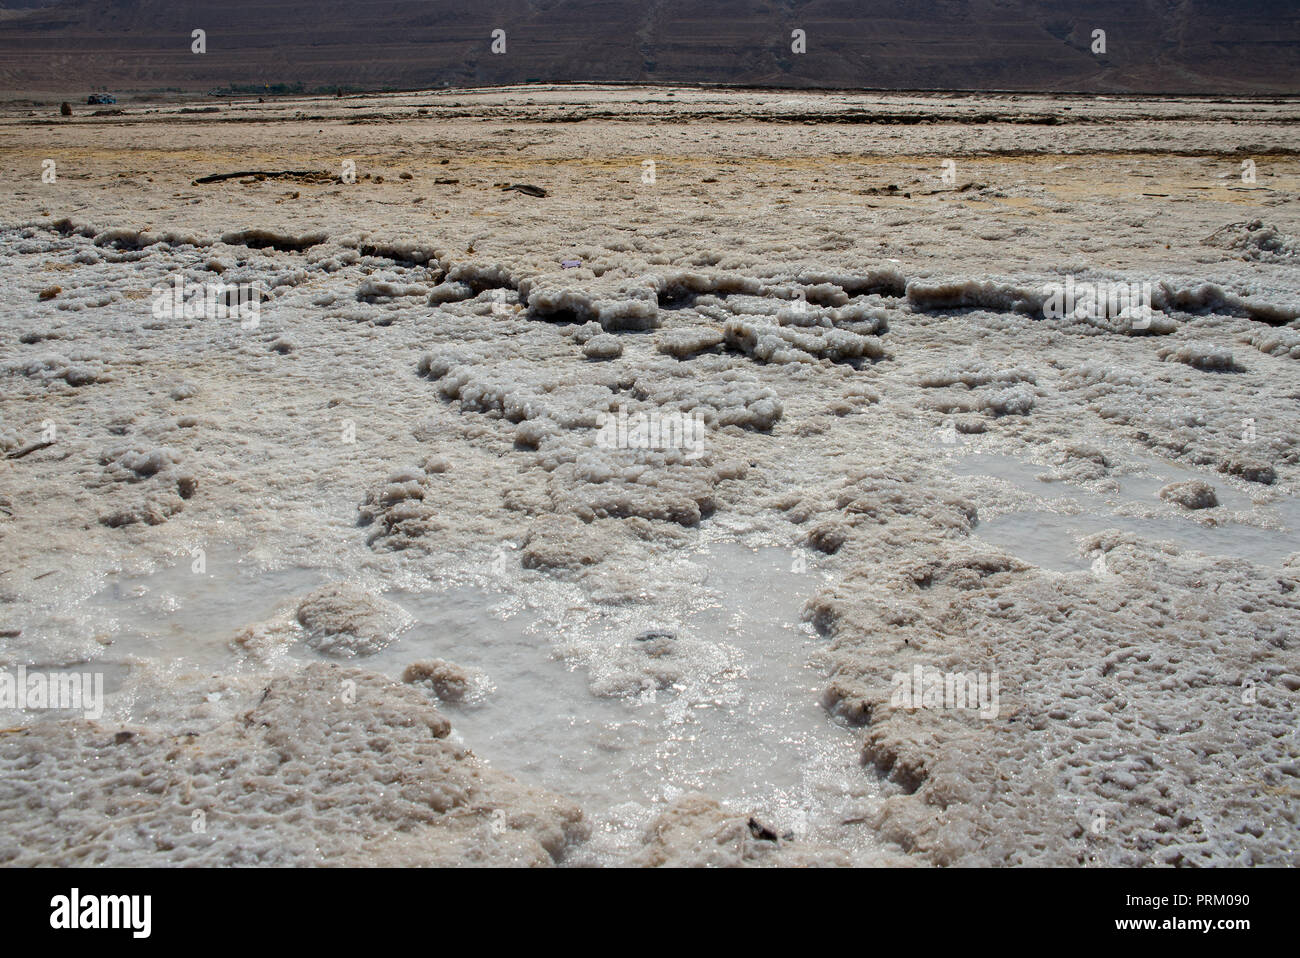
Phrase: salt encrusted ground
(417, 410)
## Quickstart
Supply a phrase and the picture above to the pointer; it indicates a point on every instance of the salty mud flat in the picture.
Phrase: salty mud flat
(366, 587)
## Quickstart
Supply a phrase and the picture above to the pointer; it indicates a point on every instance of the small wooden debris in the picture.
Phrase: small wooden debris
(306, 176)
(30, 448)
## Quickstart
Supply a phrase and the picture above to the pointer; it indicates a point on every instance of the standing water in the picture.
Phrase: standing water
(721, 700)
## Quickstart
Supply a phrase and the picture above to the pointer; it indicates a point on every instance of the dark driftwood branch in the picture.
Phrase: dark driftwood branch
(19, 453)
(267, 174)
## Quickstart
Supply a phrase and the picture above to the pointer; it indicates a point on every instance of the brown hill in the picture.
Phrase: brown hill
(1245, 46)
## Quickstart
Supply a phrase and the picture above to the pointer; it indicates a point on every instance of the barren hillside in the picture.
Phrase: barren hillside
(1191, 46)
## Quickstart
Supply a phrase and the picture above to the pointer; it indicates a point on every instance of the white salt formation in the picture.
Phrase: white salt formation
(371, 582)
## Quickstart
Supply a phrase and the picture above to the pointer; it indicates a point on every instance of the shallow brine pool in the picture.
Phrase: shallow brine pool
(617, 713)
(1047, 531)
